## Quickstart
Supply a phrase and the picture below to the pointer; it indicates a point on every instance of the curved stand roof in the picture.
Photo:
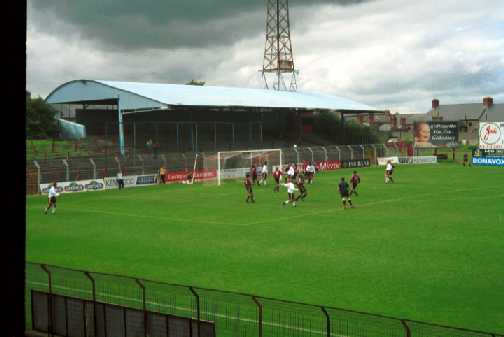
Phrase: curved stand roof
(139, 95)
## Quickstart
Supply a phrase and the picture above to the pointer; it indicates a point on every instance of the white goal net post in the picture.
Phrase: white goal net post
(235, 164)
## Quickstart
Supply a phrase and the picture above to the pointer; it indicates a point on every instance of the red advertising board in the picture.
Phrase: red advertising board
(325, 165)
(199, 175)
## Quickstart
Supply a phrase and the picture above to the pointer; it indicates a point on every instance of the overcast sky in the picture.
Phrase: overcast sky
(390, 54)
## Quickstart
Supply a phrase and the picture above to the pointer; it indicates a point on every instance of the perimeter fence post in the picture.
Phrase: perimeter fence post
(362, 147)
(197, 308)
(311, 151)
(49, 301)
(325, 152)
(93, 289)
(351, 151)
(67, 169)
(94, 167)
(144, 305)
(260, 308)
(339, 153)
(374, 153)
(406, 328)
(185, 160)
(328, 321)
(143, 163)
(38, 175)
(116, 158)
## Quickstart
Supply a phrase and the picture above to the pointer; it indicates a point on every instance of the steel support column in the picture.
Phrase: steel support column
(328, 321)
(197, 307)
(120, 125)
(144, 305)
(93, 288)
(49, 300)
(260, 312)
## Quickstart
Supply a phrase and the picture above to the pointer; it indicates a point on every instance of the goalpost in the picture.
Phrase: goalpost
(235, 164)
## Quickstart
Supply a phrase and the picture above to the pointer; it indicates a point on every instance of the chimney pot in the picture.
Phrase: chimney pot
(487, 101)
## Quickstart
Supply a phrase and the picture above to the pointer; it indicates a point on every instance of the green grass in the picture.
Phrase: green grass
(429, 247)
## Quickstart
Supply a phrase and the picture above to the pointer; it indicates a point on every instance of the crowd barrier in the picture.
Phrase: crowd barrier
(68, 302)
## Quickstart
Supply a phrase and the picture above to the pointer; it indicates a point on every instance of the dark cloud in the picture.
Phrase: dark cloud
(127, 24)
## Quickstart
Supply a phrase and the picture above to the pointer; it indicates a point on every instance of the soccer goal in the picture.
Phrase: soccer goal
(235, 164)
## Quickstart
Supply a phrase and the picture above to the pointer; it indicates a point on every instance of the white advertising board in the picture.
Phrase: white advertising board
(131, 181)
(382, 161)
(491, 135)
(75, 186)
(418, 160)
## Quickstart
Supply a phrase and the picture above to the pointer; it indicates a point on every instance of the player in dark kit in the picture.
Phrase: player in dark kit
(345, 195)
(466, 160)
(248, 187)
(355, 181)
(253, 171)
(300, 180)
(277, 175)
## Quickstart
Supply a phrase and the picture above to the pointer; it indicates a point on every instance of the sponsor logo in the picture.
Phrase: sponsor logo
(199, 175)
(146, 180)
(418, 160)
(328, 165)
(94, 185)
(488, 161)
(74, 187)
(382, 161)
(355, 163)
(490, 133)
(425, 160)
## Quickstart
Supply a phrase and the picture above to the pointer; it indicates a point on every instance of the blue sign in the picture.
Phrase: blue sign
(488, 161)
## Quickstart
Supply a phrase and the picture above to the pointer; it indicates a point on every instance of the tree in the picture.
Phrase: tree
(40, 119)
(329, 125)
(196, 82)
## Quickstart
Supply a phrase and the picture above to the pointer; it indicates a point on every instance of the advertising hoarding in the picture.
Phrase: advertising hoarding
(435, 134)
(491, 135)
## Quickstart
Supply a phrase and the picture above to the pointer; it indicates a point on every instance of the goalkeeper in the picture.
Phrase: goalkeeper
(52, 194)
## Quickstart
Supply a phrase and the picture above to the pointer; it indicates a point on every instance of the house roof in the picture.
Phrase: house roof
(471, 111)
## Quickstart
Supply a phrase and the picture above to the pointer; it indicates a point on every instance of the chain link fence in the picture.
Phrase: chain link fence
(109, 162)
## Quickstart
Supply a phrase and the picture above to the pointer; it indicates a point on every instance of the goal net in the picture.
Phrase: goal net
(235, 164)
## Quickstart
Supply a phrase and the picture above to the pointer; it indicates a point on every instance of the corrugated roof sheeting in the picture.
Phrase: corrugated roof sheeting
(137, 95)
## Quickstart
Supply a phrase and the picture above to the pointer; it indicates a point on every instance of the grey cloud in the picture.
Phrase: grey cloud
(127, 24)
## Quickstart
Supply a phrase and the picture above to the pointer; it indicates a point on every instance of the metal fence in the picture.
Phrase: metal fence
(108, 163)
(231, 314)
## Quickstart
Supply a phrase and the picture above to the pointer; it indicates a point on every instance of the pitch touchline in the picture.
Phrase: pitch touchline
(180, 308)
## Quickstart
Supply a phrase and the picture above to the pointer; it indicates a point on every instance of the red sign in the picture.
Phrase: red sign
(325, 165)
(199, 175)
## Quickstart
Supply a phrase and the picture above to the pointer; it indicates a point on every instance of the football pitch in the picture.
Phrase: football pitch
(428, 247)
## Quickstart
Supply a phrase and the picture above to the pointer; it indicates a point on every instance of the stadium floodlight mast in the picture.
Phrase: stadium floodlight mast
(278, 61)
(234, 164)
